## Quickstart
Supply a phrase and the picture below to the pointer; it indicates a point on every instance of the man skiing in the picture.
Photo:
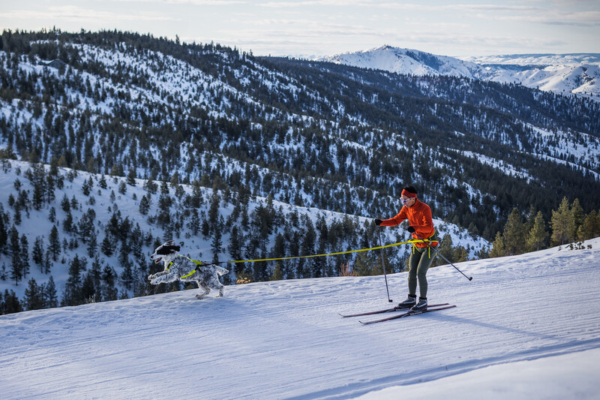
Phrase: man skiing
(421, 227)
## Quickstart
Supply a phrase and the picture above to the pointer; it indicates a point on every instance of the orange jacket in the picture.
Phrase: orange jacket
(419, 217)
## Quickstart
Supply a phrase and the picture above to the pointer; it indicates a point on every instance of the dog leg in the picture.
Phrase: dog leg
(221, 291)
(158, 274)
(166, 278)
(205, 288)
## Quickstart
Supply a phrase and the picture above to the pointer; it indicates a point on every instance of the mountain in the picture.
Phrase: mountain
(245, 157)
(285, 339)
(577, 74)
(406, 61)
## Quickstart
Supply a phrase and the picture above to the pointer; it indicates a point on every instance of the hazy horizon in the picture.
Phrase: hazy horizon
(326, 27)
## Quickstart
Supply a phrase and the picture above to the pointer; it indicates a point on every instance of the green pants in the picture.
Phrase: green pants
(419, 263)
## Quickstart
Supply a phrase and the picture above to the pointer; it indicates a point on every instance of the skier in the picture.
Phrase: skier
(421, 227)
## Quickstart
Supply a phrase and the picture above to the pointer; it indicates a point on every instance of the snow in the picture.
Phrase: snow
(506, 168)
(545, 378)
(538, 314)
(559, 73)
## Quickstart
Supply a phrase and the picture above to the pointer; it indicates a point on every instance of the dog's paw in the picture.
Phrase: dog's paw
(199, 296)
(220, 294)
(150, 277)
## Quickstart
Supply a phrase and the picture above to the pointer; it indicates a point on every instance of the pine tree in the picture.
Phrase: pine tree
(445, 249)
(562, 223)
(3, 231)
(92, 245)
(194, 224)
(34, 296)
(96, 273)
(216, 244)
(131, 176)
(277, 273)
(122, 187)
(196, 194)
(307, 248)
(54, 246)
(50, 297)
(102, 183)
(144, 205)
(529, 220)
(108, 277)
(11, 303)
(52, 215)
(88, 290)
(38, 252)
(107, 246)
(73, 295)
(85, 188)
(175, 180)
(213, 212)
(47, 262)
(577, 216)
(588, 226)
(16, 272)
(68, 223)
(498, 248)
(24, 249)
(65, 204)
(514, 234)
(537, 235)
(164, 187)
(50, 196)
(235, 249)
(127, 277)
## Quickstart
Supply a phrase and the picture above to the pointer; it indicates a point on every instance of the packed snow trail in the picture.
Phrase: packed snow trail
(568, 376)
(285, 339)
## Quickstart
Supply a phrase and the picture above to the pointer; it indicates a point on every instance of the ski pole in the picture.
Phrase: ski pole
(383, 264)
(441, 255)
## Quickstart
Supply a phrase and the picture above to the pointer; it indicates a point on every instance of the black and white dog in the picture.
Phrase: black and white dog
(186, 270)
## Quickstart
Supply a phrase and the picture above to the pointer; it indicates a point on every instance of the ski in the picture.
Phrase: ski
(406, 314)
(386, 310)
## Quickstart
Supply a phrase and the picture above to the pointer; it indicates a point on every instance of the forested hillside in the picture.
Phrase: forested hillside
(207, 119)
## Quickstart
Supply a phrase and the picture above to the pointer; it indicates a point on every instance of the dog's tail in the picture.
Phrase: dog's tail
(221, 270)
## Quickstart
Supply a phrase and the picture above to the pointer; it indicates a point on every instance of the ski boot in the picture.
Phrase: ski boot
(420, 307)
(410, 301)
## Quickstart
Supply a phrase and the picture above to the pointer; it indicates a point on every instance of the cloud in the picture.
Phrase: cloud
(82, 14)
(192, 2)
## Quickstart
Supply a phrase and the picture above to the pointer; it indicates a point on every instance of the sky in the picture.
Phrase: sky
(327, 27)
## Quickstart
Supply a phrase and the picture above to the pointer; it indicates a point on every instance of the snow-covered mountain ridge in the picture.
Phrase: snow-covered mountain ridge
(172, 345)
(577, 74)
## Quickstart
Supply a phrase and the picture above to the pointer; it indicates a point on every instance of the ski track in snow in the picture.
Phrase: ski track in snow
(285, 339)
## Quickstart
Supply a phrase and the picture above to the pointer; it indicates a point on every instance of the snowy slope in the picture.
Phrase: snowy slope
(284, 339)
(544, 378)
(560, 73)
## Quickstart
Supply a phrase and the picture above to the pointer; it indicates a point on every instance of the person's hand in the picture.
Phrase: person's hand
(378, 222)
(411, 229)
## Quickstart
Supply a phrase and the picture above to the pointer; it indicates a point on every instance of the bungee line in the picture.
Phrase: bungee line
(323, 255)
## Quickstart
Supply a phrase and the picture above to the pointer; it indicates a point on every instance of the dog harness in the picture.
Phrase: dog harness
(198, 263)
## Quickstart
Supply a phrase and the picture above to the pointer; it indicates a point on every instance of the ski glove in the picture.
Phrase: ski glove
(378, 222)
(411, 229)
